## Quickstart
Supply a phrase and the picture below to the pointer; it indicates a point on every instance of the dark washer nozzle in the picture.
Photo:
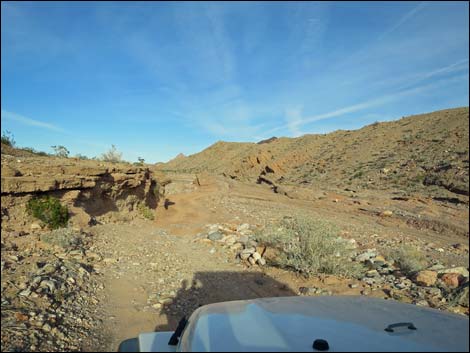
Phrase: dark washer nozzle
(321, 345)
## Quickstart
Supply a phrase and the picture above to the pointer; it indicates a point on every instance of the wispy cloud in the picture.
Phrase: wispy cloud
(43, 125)
(402, 20)
(294, 119)
(368, 104)
(365, 52)
(31, 122)
(455, 67)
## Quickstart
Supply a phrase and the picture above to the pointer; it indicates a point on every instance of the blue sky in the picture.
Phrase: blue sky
(157, 79)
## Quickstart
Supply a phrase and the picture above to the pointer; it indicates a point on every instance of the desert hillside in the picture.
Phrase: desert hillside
(425, 153)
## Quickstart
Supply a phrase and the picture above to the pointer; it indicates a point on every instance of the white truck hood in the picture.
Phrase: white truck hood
(345, 323)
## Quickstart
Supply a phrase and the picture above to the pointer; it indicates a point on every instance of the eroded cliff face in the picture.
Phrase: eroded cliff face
(93, 191)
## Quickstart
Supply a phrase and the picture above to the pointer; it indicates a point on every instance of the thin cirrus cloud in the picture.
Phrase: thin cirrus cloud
(7, 115)
(455, 67)
(292, 125)
(403, 19)
(363, 53)
(30, 122)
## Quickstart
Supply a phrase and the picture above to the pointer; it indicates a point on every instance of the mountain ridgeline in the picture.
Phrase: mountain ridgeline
(425, 154)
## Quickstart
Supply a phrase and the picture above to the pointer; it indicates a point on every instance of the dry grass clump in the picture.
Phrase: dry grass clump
(309, 246)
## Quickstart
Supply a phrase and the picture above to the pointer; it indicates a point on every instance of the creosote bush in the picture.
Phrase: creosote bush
(408, 258)
(49, 210)
(309, 246)
(146, 212)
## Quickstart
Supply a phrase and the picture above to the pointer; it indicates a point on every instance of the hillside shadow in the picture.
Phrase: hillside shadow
(215, 287)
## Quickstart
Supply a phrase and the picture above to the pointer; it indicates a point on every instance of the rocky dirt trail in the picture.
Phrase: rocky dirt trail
(157, 272)
(129, 274)
(152, 279)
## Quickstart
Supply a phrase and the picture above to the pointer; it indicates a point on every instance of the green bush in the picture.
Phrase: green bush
(49, 210)
(408, 258)
(146, 211)
(310, 247)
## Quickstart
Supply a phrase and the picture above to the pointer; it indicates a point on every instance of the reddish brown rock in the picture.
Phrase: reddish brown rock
(451, 280)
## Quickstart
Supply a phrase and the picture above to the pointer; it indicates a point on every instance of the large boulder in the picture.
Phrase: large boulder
(425, 278)
(451, 280)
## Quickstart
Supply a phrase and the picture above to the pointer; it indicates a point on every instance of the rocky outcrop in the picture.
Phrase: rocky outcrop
(90, 189)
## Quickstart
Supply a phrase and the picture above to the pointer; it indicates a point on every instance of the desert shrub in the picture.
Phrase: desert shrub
(146, 211)
(309, 246)
(61, 151)
(358, 174)
(66, 238)
(32, 150)
(81, 156)
(49, 210)
(113, 155)
(140, 161)
(7, 138)
(408, 258)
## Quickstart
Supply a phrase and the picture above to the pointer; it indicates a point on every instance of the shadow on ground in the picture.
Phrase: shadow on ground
(168, 203)
(216, 287)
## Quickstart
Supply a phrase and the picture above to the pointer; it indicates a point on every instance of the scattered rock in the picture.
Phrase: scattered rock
(436, 267)
(451, 280)
(422, 303)
(249, 250)
(242, 227)
(35, 226)
(244, 255)
(25, 293)
(215, 236)
(387, 213)
(309, 290)
(256, 256)
(425, 278)
(48, 284)
(460, 270)
(369, 254)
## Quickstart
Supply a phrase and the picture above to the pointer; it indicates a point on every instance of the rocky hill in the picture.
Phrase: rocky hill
(425, 153)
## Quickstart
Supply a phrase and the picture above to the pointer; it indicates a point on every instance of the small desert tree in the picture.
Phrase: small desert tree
(61, 151)
(7, 138)
(113, 155)
(140, 161)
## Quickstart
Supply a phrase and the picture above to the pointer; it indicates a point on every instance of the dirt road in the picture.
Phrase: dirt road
(155, 272)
